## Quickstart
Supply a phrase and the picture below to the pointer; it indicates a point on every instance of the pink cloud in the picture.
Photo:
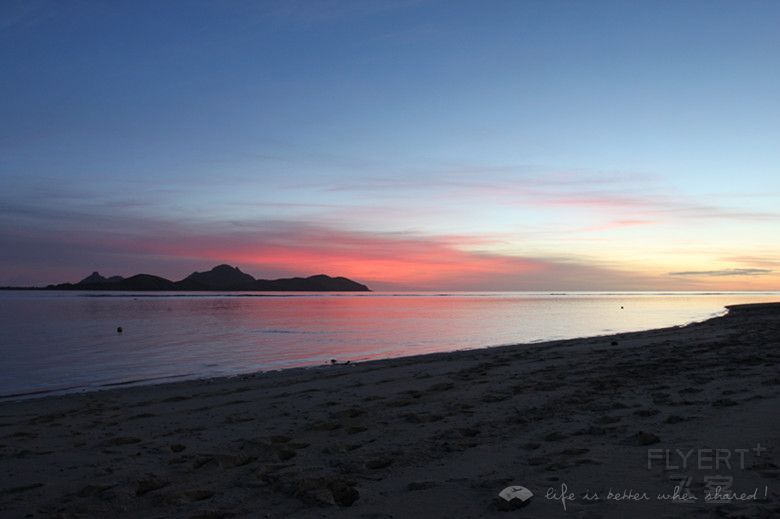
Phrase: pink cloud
(272, 249)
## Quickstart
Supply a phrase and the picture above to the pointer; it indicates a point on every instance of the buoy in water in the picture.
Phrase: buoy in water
(118, 329)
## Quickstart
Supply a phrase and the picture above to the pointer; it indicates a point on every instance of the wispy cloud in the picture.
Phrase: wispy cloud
(393, 237)
(761, 260)
(408, 260)
(724, 272)
(641, 195)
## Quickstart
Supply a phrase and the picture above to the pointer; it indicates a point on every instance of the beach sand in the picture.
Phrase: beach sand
(429, 436)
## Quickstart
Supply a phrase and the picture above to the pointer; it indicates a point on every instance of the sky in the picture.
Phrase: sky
(410, 145)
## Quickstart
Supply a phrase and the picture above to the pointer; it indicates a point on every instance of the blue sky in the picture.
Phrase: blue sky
(537, 145)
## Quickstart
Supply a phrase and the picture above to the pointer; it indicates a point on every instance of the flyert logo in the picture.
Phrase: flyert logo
(702, 459)
(718, 487)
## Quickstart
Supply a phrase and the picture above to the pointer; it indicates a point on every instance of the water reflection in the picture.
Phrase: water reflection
(52, 340)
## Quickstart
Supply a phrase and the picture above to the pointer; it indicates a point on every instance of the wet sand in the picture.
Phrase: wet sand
(429, 436)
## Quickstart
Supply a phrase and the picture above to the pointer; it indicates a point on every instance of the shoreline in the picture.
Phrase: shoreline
(436, 435)
(183, 378)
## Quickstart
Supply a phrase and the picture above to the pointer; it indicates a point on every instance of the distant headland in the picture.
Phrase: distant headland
(221, 278)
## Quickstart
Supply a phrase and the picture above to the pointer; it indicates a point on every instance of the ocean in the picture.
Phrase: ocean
(57, 342)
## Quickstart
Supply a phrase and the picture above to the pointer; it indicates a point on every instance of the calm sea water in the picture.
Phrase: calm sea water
(67, 341)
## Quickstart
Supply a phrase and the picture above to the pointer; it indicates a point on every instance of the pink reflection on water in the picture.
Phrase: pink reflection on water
(65, 340)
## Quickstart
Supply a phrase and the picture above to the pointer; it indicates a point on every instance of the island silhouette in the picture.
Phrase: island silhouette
(224, 278)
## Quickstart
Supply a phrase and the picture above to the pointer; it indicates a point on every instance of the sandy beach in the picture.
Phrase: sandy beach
(626, 416)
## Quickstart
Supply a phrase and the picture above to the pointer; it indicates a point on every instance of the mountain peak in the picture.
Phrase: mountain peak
(95, 277)
(221, 277)
(225, 268)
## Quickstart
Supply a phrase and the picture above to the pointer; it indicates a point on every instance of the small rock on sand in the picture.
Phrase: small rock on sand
(645, 438)
(420, 485)
(150, 484)
(379, 463)
(285, 454)
(343, 494)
